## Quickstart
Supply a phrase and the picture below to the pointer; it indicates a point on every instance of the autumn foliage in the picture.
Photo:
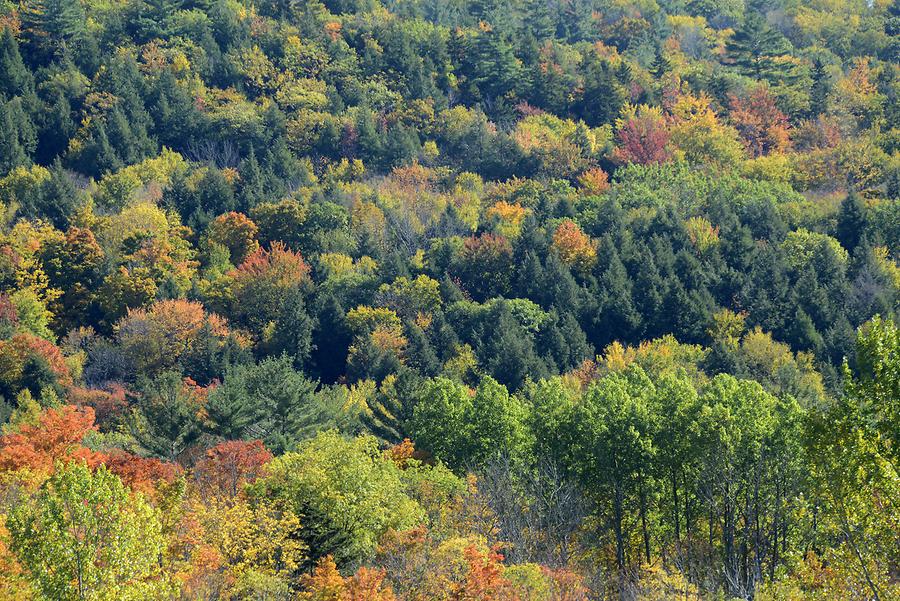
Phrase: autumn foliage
(57, 436)
(228, 465)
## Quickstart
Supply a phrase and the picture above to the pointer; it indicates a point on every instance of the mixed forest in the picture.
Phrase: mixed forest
(449, 300)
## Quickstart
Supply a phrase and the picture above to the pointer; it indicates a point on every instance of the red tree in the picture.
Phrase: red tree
(229, 465)
(643, 139)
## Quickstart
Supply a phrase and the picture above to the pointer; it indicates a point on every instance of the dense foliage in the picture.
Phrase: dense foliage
(445, 300)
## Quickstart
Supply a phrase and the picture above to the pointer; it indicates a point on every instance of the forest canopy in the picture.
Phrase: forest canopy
(482, 300)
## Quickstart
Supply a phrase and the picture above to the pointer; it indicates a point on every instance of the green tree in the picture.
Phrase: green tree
(270, 400)
(52, 26)
(18, 138)
(165, 419)
(15, 78)
(85, 537)
(612, 434)
(347, 491)
(755, 46)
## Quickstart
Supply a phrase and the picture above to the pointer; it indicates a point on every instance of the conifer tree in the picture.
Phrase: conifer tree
(754, 47)
(15, 78)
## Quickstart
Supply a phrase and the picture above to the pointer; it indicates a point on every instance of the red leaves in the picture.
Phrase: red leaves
(229, 465)
(140, 473)
(759, 121)
(56, 436)
(108, 404)
(643, 139)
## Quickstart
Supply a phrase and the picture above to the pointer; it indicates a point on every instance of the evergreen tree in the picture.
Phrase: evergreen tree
(331, 339)
(12, 153)
(15, 78)
(508, 353)
(251, 190)
(56, 129)
(821, 88)
(52, 26)
(754, 47)
(59, 197)
(292, 331)
(603, 96)
(166, 423)
(851, 223)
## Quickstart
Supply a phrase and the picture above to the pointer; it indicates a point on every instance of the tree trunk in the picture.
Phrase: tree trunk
(675, 505)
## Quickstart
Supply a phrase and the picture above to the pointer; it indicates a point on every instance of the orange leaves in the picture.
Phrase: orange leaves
(574, 247)
(24, 346)
(594, 181)
(279, 264)
(108, 404)
(325, 583)
(229, 465)
(237, 233)
(484, 580)
(56, 436)
(158, 336)
(140, 473)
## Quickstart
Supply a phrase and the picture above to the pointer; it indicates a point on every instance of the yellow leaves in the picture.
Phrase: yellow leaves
(419, 296)
(702, 233)
(120, 188)
(801, 246)
(884, 261)
(239, 537)
(776, 167)
(378, 326)
(20, 183)
(660, 583)
(13, 584)
(659, 356)
(698, 134)
(364, 319)
(463, 365)
(563, 147)
(507, 218)
(727, 326)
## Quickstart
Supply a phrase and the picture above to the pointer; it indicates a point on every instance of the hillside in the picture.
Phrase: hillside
(414, 300)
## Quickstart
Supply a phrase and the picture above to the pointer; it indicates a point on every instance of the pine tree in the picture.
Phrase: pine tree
(851, 222)
(15, 78)
(56, 129)
(59, 197)
(754, 47)
(12, 153)
(51, 26)
(331, 339)
(292, 332)
(251, 189)
(603, 95)
(821, 88)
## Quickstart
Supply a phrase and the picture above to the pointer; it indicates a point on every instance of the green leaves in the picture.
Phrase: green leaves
(464, 429)
(84, 537)
(346, 492)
